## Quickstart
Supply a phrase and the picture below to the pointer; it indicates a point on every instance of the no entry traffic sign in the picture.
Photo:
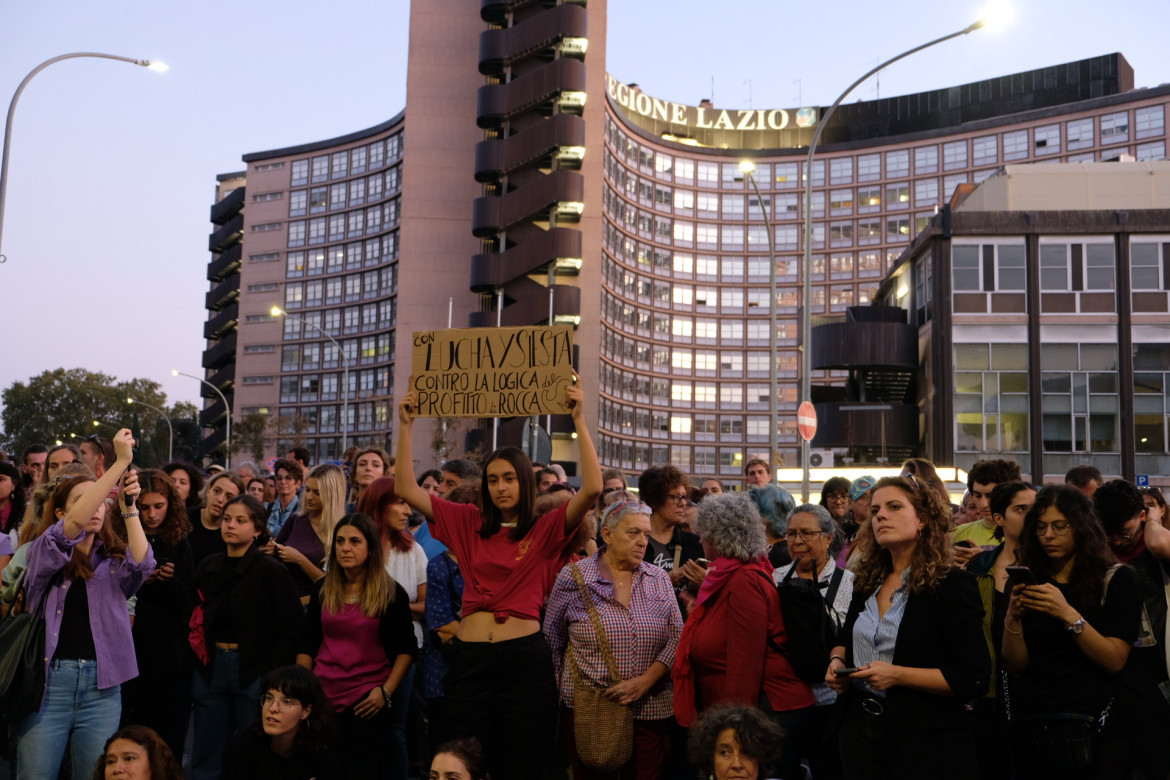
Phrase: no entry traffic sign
(806, 421)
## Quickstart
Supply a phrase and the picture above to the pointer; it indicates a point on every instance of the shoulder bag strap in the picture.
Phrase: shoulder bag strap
(677, 554)
(602, 640)
(834, 585)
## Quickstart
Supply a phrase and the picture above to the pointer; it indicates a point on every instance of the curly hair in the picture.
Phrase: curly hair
(731, 523)
(194, 476)
(176, 526)
(656, 481)
(469, 751)
(926, 473)
(1091, 551)
(297, 682)
(931, 560)
(775, 505)
(159, 757)
(759, 738)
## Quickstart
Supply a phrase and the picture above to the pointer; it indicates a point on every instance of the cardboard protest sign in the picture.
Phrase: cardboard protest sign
(492, 372)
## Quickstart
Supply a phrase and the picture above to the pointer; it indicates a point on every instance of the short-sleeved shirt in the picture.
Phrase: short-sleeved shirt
(1059, 677)
(506, 576)
(409, 569)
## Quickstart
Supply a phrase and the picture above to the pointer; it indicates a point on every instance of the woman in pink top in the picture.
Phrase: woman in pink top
(358, 632)
(501, 687)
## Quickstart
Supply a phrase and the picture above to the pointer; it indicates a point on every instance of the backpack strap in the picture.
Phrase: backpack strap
(834, 585)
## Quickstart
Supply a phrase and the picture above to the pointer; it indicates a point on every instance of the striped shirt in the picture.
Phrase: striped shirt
(646, 631)
(874, 637)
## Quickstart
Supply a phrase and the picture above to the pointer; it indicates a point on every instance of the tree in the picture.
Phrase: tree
(251, 435)
(62, 405)
(442, 430)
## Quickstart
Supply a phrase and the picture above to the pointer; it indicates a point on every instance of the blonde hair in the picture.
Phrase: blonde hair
(331, 487)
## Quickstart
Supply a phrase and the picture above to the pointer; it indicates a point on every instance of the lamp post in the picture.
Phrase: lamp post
(806, 281)
(151, 64)
(165, 416)
(279, 312)
(227, 439)
(748, 168)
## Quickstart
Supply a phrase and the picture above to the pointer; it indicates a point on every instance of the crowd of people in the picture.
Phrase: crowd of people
(492, 620)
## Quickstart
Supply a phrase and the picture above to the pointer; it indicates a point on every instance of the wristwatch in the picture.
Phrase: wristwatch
(1078, 626)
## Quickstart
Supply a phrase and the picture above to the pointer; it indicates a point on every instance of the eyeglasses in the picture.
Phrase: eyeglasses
(1122, 538)
(283, 703)
(837, 497)
(910, 476)
(805, 536)
(1060, 529)
(681, 498)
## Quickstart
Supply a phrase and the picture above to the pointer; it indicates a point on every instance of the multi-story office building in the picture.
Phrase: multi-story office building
(527, 168)
(1040, 306)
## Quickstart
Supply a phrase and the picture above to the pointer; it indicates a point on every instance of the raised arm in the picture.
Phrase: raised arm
(586, 497)
(78, 516)
(405, 485)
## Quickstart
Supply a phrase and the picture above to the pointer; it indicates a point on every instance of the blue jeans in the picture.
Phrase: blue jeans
(398, 760)
(222, 707)
(73, 711)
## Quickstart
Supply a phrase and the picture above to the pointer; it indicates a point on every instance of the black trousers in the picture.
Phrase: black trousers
(505, 695)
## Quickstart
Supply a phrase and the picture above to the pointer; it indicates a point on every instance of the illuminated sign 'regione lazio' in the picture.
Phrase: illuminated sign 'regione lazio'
(701, 117)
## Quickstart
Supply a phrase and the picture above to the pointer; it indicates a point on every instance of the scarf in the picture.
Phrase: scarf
(682, 676)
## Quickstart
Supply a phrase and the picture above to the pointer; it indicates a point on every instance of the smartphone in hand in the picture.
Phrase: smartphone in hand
(1020, 575)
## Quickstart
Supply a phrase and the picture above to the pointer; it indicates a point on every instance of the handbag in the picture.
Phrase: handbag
(196, 637)
(22, 658)
(602, 728)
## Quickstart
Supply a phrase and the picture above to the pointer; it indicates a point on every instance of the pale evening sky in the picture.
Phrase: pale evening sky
(113, 167)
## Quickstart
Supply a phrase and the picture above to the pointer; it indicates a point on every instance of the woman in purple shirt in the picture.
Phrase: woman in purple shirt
(87, 574)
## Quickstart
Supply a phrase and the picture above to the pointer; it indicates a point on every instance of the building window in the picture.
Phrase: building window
(1149, 122)
(317, 230)
(1015, 145)
(898, 195)
(1145, 266)
(1054, 268)
(320, 169)
(869, 167)
(340, 165)
(296, 233)
(1080, 397)
(841, 170)
(1100, 266)
(266, 227)
(299, 173)
(990, 397)
(954, 155)
(337, 196)
(965, 269)
(985, 151)
(266, 257)
(1079, 134)
(925, 192)
(926, 159)
(1047, 139)
(1155, 150)
(1115, 128)
(1010, 273)
(297, 203)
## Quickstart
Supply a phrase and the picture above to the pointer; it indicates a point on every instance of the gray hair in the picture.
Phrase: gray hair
(621, 507)
(730, 523)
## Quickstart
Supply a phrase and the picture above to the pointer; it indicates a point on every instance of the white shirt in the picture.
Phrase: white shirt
(409, 569)
(823, 693)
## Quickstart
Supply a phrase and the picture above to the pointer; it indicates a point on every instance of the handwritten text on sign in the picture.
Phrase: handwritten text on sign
(492, 372)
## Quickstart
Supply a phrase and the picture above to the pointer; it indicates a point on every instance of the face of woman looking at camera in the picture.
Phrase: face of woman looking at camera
(238, 529)
(256, 489)
(895, 521)
(281, 714)
(351, 548)
(503, 485)
(807, 540)
(368, 468)
(626, 542)
(127, 760)
(730, 763)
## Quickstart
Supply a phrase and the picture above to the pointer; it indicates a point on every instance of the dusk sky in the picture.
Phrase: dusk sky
(113, 167)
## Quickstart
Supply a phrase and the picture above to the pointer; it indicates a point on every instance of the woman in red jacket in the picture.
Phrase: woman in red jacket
(727, 652)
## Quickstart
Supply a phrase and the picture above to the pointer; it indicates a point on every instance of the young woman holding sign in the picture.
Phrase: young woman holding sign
(501, 687)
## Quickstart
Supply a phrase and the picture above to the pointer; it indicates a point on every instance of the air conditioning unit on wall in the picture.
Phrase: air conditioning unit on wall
(820, 459)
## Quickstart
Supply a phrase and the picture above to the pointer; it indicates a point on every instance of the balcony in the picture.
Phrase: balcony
(226, 264)
(224, 379)
(495, 158)
(212, 415)
(213, 442)
(223, 293)
(501, 47)
(526, 303)
(497, 103)
(492, 270)
(492, 214)
(222, 353)
(868, 429)
(227, 235)
(230, 205)
(222, 322)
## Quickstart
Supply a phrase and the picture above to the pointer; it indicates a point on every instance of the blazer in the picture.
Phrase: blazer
(264, 605)
(942, 629)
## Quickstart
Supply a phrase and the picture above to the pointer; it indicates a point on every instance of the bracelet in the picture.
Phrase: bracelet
(836, 658)
(385, 696)
(1008, 629)
(135, 513)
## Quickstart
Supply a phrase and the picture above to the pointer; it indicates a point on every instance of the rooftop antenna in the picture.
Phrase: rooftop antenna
(799, 92)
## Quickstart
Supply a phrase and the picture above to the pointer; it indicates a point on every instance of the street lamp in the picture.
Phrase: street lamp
(154, 65)
(806, 281)
(279, 312)
(227, 439)
(748, 168)
(165, 416)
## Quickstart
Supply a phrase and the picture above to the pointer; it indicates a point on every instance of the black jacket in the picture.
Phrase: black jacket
(941, 630)
(265, 607)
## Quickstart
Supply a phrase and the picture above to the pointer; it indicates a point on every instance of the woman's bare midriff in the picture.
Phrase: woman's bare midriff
(482, 627)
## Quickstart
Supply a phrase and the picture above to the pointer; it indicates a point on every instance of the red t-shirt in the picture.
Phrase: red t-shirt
(508, 577)
(730, 655)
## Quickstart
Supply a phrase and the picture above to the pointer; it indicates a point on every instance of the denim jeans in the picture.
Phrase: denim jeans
(73, 710)
(222, 707)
